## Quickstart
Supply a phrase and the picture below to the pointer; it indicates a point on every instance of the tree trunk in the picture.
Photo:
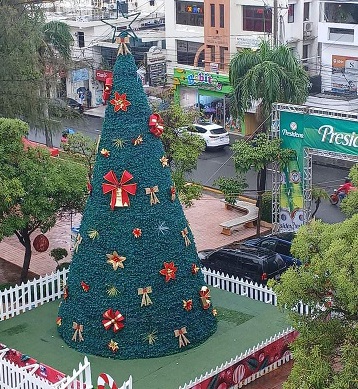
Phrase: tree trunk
(261, 186)
(317, 202)
(24, 238)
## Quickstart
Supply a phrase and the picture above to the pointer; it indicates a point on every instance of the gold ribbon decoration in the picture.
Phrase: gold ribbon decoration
(78, 331)
(145, 299)
(123, 48)
(78, 241)
(204, 294)
(152, 192)
(184, 234)
(183, 340)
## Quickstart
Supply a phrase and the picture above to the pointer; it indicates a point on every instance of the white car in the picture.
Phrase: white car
(213, 134)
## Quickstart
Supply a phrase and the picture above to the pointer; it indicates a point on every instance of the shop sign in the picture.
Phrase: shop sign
(155, 54)
(157, 74)
(101, 75)
(344, 74)
(248, 41)
(202, 80)
(299, 131)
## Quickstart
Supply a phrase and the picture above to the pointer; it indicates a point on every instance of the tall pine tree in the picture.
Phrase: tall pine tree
(134, 288)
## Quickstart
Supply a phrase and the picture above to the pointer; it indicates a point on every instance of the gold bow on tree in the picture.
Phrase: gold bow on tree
(183, 340)
(78, 331)
(152, 192)
(144, 292)
(184, 234)
(123, 48)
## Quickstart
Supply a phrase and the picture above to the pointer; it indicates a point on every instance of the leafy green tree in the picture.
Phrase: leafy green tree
(265, 76)
(82, 149)
(325, 353)
(318, 194)
(349, 205)
(182, 150)
(256, 154)
(39, 188)
(32, 53)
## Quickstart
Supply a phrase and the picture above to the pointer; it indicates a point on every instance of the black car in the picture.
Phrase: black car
(58, 107)
(250, 263)
(280, 243)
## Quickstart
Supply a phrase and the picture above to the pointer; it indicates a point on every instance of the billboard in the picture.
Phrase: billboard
(344, 74)
(299, 131)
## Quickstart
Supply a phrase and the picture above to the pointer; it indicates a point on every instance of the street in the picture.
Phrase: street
(213, 164)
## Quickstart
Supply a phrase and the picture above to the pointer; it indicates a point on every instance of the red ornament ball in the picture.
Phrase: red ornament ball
(41, 243)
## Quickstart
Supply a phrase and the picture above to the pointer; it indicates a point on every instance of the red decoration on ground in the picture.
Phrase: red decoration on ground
(169, 271)
(41, 243)
(120, 102)
(114, 319)
(119, 189)
(156, 125)
(103, 379)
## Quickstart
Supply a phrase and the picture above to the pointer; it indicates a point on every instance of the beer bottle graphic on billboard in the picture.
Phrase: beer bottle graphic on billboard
(296, 192)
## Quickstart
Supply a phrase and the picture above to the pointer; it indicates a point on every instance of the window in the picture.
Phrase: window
(257, 19)
(151, 3)
(222, 57)
(186, 52)
(81, 39)
(222, 20)
(291, 13)
(306, 11)
(212, 53)
(189, 13)
(212, 15)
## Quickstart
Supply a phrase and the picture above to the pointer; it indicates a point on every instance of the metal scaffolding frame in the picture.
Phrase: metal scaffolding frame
(307, 162)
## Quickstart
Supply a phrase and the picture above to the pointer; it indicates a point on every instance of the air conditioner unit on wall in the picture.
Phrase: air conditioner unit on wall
(307, 26)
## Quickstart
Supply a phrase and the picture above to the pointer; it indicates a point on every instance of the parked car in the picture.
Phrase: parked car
(72, 103)
(215, 136)
(59, 107)
(248, 262)
(280, 244)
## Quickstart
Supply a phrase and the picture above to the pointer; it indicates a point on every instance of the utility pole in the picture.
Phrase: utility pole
(275, 22)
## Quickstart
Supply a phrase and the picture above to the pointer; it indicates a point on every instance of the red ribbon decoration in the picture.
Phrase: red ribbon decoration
(119, 185)
(113, 318)
(156, 125)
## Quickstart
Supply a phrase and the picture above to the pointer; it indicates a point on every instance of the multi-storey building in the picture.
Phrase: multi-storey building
(202, 37)
(93, 28)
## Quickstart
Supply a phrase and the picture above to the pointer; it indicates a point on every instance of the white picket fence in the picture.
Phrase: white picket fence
(20, 298)
(285, 358)
(38, 291)
(245, 288)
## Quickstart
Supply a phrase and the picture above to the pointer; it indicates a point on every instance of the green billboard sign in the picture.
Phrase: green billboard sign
(200, 79)
(299, 131)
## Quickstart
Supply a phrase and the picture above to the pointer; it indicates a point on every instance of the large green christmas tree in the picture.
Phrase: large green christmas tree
(134, 288)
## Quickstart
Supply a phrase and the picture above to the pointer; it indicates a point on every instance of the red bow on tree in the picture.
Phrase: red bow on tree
(113, 318)
(119, 189)
(156, 124)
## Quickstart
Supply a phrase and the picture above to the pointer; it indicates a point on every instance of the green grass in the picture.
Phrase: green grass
(232, 316)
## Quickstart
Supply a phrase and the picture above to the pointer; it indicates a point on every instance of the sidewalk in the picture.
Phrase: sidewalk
(204, 218)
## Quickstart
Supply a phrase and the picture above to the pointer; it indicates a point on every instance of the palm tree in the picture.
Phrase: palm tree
(268, 75)
(54, 55)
